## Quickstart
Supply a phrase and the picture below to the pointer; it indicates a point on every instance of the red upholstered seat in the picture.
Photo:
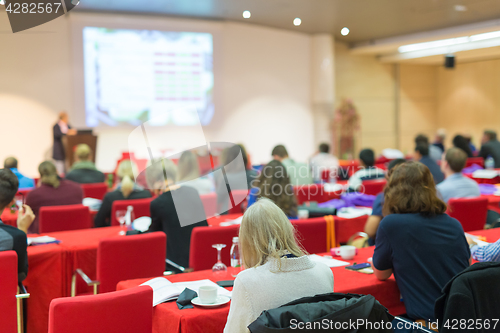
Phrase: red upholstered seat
(8, 291)
(474, 160)
(311, 234)
(96, 190)
(130, 257)
(141, 208)
(62, 218)
(373, 187)
(239, 197)
(201, 253)
(209, 203)
(123, 311)
(312, 192)
(470, 212)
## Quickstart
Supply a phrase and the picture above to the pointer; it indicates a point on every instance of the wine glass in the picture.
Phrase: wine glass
(120, 216)
(219, 267)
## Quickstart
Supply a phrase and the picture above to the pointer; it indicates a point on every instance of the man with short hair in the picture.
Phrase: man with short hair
(298, 172)
(83, 170)
(456, 185)
(422, 155)
(368, 170)
(490, 147)
(435, 152)
(24, 182)
(322, 161)
(12, 238)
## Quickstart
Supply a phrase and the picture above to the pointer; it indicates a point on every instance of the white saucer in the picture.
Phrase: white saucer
(220, 300)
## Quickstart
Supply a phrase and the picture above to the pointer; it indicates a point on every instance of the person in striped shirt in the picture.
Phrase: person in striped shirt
(490, 252)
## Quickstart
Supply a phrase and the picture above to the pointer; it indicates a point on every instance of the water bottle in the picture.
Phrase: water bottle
(235, 253)
(489, 163)
(129, 217)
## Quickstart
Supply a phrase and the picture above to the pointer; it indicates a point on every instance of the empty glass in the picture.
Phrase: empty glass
(120, 216)
(219, 267)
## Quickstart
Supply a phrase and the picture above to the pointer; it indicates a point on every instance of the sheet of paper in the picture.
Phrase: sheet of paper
(163, 290)
(477, 240)
(41, 240)
(232, 222)
(330, 262)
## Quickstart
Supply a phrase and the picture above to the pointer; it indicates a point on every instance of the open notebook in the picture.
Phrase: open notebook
(164, 290)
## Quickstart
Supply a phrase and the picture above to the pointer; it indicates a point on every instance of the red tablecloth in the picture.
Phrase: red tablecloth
(494, 180)
(44, 282)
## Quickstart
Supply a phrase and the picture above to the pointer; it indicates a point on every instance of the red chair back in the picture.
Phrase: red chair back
(24, 192)
(97, 190)
(470, 212)
(62, 218)
(141, 208)
(311, 233)
(374, 186)
(201, 253)
(130, 257)
(129, 310)
(474, 160)
(209, 203)
(8, 291)
(239, 197)
(312, 192)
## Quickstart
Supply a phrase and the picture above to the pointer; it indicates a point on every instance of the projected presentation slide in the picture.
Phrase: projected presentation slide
(133, 76)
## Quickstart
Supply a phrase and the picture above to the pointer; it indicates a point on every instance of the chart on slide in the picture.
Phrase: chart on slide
(133, 76)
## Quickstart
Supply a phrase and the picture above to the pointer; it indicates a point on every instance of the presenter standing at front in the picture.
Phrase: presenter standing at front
(60, 129)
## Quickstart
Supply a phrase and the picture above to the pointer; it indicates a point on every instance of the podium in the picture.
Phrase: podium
(71, 141)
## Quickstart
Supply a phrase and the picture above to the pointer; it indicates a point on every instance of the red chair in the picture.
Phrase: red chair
(24, 192)
(311, 233)
(97, 190)
(10, 301)
(373, 187)
(312, 192)
(129, 310)
(470, 212)
(141, 208)
(240, 198)
(201, 253)
(474, 160)
(209, 203)
(125, 258)
(62, 218)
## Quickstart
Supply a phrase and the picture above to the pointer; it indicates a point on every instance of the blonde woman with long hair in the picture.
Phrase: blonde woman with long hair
(278, 270)
(127, 189)
(52, 191)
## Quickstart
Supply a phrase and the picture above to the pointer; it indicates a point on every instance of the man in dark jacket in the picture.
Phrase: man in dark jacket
(60, 129)
(83, 170)
(471, 297)
(490, 147)
(422, 155)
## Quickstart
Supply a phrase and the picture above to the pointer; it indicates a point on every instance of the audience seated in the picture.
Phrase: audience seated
(175, 218)
(189, 172)
(251, 173)
(456, 185)
(277, 270)
(468, 138)
(373, 221)
(12, 238)
(490, 147)
(323, 160)
(53, 191)
(298, 172)
(274, 184)
(489, 252)
(422, 155)
(435, 152)
(127, 189)
(439, 139)
(24, 182)
(368, 170)
(417, 241)
(461, 142)
(83, 170)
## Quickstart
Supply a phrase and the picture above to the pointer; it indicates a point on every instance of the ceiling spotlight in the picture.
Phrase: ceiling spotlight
(297, 21)
(247, 14)
(344, 31)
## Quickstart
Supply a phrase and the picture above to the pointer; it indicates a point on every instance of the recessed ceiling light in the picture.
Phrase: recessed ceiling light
(247, 14)
(460, 8)
(344, 31)
(297, 21)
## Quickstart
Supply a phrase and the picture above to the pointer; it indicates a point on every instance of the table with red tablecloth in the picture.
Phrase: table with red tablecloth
(494, 180)
(10, 218)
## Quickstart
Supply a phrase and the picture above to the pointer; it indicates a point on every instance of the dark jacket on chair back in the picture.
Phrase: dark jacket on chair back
(472, 294)
(491, 148)
(315, 314)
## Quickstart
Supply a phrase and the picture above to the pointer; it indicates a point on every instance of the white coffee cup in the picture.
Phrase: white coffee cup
(303, 214)
(347, 252)
(207, 294)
